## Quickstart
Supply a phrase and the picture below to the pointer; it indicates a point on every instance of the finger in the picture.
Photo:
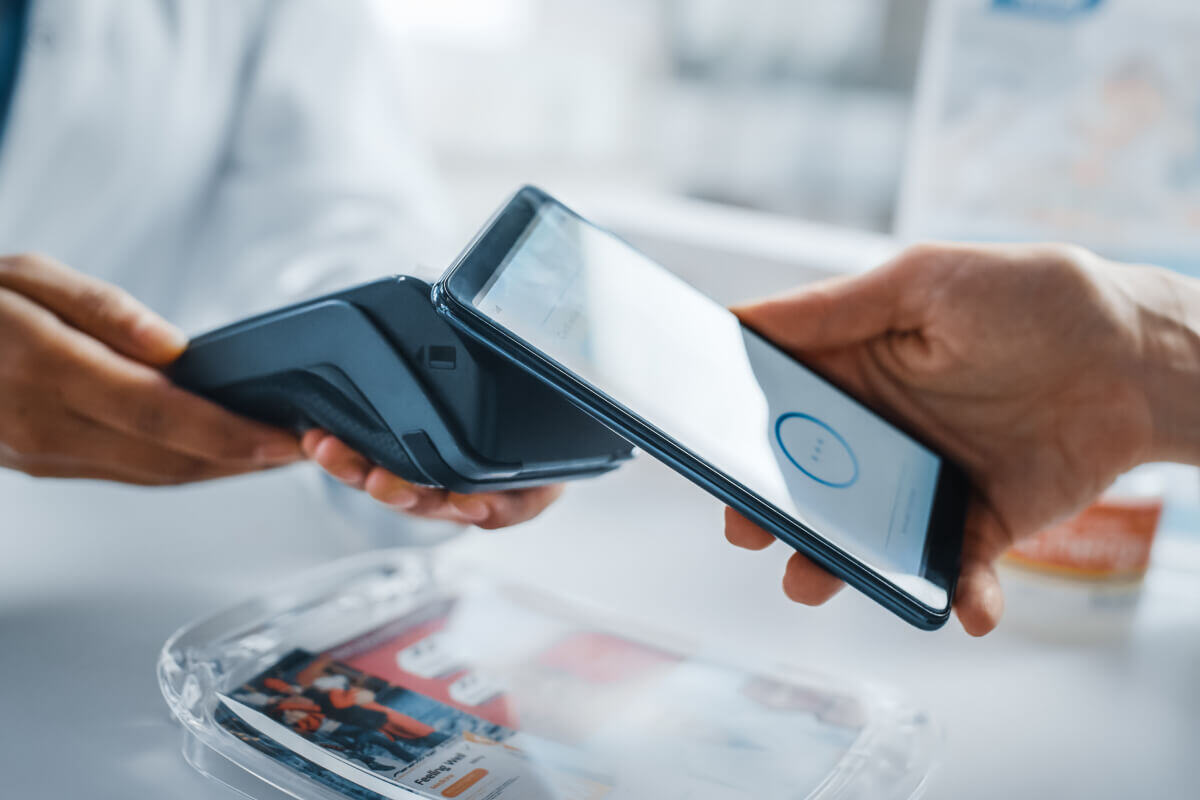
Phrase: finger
(95, 382)
(805, 582)
(37, 469)
(493, 510)
(744, 533)
(118, 473)
(136, 458)
(839, 311)
(979, 600)
(978, 597)
(418, 501)
(341, 462)
(140, 401)
(487, 510)
(347, 465)
(391, 490)
(310, 440)
(99, 309)
(73, 447)
(432, 503)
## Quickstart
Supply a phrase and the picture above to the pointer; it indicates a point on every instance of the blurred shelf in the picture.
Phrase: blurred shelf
(729, 253)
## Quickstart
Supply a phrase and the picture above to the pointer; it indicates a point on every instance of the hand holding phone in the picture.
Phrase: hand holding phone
(677, 374)
(1019, 361)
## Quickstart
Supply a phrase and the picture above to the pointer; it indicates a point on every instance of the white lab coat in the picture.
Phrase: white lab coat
(219, 157)
(214, 157)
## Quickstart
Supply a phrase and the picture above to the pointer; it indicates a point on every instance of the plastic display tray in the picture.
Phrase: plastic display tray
(388, 675)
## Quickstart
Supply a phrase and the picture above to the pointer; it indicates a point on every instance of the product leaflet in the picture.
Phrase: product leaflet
(443, 702)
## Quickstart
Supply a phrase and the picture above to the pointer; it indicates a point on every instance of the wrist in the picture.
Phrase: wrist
(1166, 323)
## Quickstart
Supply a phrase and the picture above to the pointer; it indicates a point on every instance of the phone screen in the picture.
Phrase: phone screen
(685, 365)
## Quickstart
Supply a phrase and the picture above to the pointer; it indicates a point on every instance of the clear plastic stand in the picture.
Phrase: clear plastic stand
(392, 675)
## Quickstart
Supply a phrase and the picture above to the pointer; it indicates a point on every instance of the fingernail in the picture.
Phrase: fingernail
(310, 440)
(403, 499)
(473, 509)
(277, 452)
(154, 331)
(351, 475)
(176, 338)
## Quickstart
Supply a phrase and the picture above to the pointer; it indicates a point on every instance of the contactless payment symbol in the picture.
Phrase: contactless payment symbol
(816, 449)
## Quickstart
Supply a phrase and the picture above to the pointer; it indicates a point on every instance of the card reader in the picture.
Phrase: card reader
(378, 367)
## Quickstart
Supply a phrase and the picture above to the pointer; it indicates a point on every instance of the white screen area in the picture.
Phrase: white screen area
(684, 364)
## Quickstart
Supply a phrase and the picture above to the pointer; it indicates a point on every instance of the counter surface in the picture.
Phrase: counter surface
(94, 578)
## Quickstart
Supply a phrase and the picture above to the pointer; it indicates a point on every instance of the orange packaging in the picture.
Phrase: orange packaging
(1108, 540)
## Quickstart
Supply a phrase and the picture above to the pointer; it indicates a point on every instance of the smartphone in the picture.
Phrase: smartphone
(678, 375)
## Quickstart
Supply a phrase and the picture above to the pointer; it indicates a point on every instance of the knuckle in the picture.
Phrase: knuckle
(122, 317)
(102, 301)
(1067, 255)
(1069, 263)
(1071, 266)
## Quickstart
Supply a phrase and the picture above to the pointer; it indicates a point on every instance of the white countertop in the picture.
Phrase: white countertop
(95, 577)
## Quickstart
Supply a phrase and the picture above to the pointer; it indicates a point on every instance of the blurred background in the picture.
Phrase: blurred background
(965, 119)
(799, 109)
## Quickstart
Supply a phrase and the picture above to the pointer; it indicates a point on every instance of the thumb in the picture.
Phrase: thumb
(99, 309)
(836, 312)
(979, 599)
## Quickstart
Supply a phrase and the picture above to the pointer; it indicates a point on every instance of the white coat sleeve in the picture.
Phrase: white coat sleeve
(323, 183)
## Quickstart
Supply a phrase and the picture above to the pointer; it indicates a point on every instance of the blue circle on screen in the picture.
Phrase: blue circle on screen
(816, 449)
